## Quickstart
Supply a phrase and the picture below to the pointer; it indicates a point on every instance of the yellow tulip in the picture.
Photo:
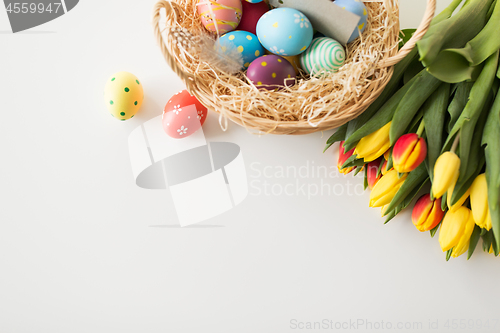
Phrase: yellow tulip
(446, 171)
(383, 210)
(374, 145)
(459, 203)
(386, 188)
(479, 202)
(456, 230)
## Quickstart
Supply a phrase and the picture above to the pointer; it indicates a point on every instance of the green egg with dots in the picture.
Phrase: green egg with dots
(123, 95)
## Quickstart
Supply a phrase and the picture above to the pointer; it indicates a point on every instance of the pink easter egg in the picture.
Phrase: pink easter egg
(183, 115)
(226, 14)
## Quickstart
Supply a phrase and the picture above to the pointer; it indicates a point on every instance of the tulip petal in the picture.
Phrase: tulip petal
(427, 213)
(463, 243)
(446, 171)
(416, 157)
(386, 188)
(435, 216)
(409, 151)
(421, 210)
(374, 145)
(403, 149)
(479, 200)
(459, 203)
(453, 227)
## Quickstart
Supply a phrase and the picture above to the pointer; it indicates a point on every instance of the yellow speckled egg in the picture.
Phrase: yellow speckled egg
(123, 95)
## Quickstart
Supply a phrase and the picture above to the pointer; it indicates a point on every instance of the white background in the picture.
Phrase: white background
(82, 249)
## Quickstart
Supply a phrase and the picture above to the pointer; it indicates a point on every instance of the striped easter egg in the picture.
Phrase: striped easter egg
(324, 55)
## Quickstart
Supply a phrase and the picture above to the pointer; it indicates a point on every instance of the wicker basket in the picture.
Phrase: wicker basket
(313, 104)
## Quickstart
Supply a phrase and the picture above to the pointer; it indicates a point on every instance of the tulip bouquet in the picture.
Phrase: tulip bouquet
(435, 130)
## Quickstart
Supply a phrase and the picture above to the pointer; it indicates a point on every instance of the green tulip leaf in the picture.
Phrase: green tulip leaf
(405, 36)
(434, 230)
(463, 185)
(475, 106)
(491, 140)
(413, 69)
(357, 170)
(434, 116)
(353, 161)
(474, 239)
(379, 170)
(447, 12)
(459, 101)
(448, 254)
(423, 87)
(458, 64)
(414, 181)
(487, 240)
(455, 31)
(387, 93)
(381, 118)
(443, 202)
(339, 135)
(390, 161)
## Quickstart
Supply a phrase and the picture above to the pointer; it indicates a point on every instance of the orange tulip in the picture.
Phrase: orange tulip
(427, 213)
(408, 152)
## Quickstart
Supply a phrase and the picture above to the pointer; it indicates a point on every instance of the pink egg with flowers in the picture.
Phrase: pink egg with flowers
(221, 15)
(183, 115)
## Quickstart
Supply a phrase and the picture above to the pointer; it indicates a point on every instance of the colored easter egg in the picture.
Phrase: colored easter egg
(325, 55)
(123, 95)
(252, 12)
(271, 72)
(183, 115)
(285, 31)
(295, 61)
(253, 1)
(223, 14)
(245, 43)
(356, 7)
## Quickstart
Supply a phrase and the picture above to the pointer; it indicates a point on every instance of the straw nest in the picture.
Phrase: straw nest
(312, 104)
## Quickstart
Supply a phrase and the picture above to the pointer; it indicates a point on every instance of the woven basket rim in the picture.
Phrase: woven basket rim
(264, 124)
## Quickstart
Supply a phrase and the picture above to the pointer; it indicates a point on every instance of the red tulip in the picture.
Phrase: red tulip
(343, 156)
(371, 173)
(427, 213)
(409, 151)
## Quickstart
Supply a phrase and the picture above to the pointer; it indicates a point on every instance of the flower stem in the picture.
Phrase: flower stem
(420, 129)
(455, 143)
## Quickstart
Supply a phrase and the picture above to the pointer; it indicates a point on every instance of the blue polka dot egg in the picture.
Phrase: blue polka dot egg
(285, 31)
(245, 42)
(356, 7)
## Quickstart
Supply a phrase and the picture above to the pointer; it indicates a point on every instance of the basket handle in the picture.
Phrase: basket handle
(417, 35)
(173, 12)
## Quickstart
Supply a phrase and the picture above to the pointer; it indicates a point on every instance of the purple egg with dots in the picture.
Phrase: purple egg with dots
(271, 72)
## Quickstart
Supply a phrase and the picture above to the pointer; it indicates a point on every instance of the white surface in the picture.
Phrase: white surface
(83, 249)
